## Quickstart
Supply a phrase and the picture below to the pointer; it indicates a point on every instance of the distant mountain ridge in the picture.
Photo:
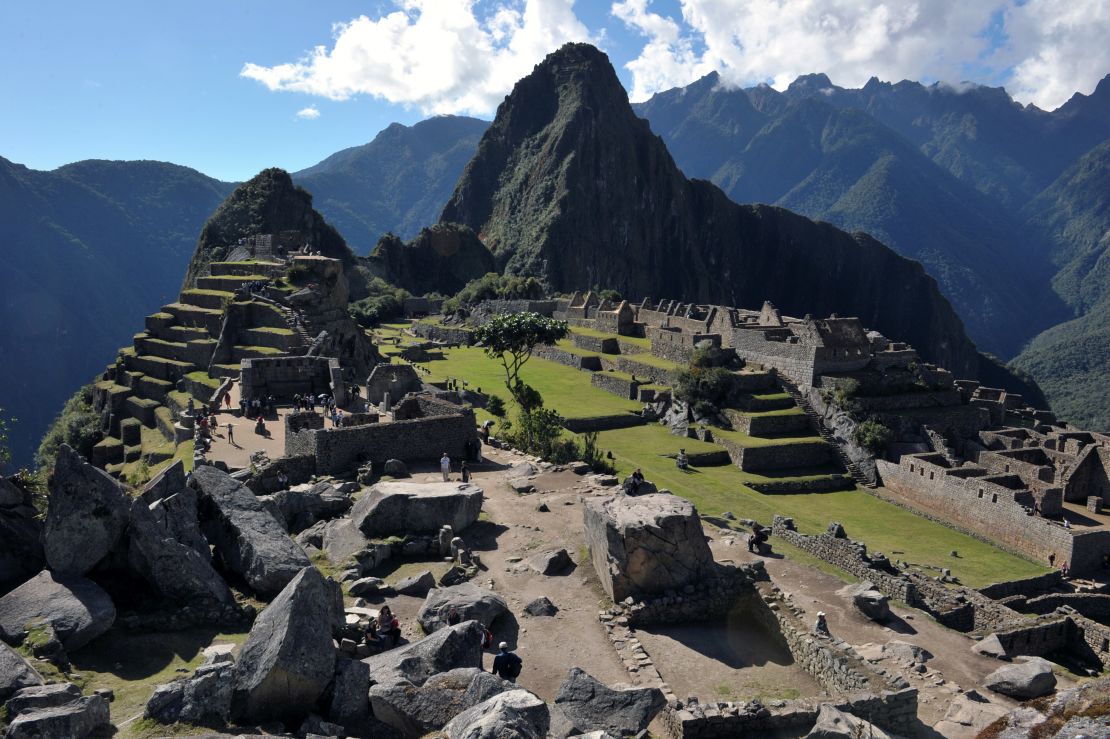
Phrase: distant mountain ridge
(569, 185)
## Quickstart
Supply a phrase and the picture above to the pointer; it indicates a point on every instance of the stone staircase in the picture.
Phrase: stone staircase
(815, 421)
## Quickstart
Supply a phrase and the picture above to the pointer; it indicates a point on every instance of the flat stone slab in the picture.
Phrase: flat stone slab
(392, 508)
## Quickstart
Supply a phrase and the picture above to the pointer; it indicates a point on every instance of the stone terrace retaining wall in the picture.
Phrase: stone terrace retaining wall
(570, 359)
(779, 457)
(1092, 605)
(1037, 638)
(1030, 586)
(615, 384)
(596, 343)
(603, 423)
(850, 556)
(443, 334)
(709, 599)
(769, 425)
(629, 364)
(831, 484)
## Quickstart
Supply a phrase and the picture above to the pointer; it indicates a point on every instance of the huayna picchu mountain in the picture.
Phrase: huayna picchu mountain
(569, 185)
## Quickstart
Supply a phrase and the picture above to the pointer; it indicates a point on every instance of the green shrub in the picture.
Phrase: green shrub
(384, 303)
(872, 435)
(496, 406)
(705, 388)
(611, 295)
(78, 425)
(492, 286)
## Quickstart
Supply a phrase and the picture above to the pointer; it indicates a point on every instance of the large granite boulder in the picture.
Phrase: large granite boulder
(76, 608)
(79, 717)
(868, 600)
(470, 600)
(390, 508)
(303, 505)
(832, 723)
(416, 710)
(21, 554)
(349, 705)
(288, 658)
(167, 547)
(1030, 678)
(247, 537)
(203, 698)
(86, 515)
(553, 562)
(515, 714)
(16, 673)
(584, 704)
(35, 697)
(455, 646)
(645, 544)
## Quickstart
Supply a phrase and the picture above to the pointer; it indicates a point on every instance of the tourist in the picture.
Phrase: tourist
(465, 470)
(453, 616)
(1064, 570)
(1052, 560)
(389, 626)
(445, 467)
(681, 461)
(1067, 523)
(822, 626)
(283, 480)
(227, 399)
(506, 664)
(636, 479)
(260, 426)
(230, 434)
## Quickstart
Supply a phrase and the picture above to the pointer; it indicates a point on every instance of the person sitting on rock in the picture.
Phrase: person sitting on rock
(388, 625)
(822, 626)
(682, 461)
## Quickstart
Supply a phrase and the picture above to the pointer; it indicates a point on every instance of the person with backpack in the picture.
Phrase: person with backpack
(507, 664)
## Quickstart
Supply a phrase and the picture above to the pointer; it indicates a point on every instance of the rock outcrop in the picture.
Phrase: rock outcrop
(584, 704)
(416, 710)
(203, 698)
(868, 600)
(79, 717)
(554, 562)
(349, 705)
(516, 713)
(288, 658)
(390, 508)
(603, 201)
(441, 259)
(86, 515)
(76, 608)
(446, 649)
(166, 544)
(1030, 678)
(21, 554)
(304, 505)
(645, 544)
(247, 537)
(16, 673)
(470, 600)
(832, 723)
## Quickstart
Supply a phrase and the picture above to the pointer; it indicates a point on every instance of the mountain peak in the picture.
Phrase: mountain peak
(810, 83)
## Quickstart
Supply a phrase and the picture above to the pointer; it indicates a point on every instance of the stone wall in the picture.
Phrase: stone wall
(395, 379)
(642, 371)
(341, 450)
(1092, 605)
(759, 425)
(284, 377)
(831, 484)
(850, 556)
(1037, 638)
(298, 469)
(443, 334)
(777, 457)
(596, 343)
(615, 384)
(1029, 586)
(990, 511)
(570, 359)
(603, 423)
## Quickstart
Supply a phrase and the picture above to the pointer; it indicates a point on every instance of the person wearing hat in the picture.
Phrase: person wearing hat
(445, 466)
(506, 664)
(822, 626)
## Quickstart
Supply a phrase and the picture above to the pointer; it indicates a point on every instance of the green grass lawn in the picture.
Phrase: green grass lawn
(132, 664)
(565, 389)
(884, 526)
(745, 440)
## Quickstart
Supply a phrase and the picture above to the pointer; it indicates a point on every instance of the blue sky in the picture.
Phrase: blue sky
(218, 85)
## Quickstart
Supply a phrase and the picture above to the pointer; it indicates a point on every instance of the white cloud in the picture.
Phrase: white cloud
(1054, 46)
(437, 55)
(310, 113)
(1057, 47)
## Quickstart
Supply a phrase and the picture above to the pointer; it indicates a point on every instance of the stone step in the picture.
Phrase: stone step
(152, 388)
(274, 338)
(228, 283)
(239, 352)
(225, 370)
(210, 299)
(163, 421)
(765, 402)
(107, 451)
(141, 409)
(159, 367)
(192, 315)
(159, 321)
(198, 351)
(271, 269)
(186, 333)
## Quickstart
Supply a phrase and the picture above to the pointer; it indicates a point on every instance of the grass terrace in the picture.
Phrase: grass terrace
(645, 344)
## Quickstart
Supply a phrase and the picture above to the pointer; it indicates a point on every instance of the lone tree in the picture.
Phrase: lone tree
(510, 338)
